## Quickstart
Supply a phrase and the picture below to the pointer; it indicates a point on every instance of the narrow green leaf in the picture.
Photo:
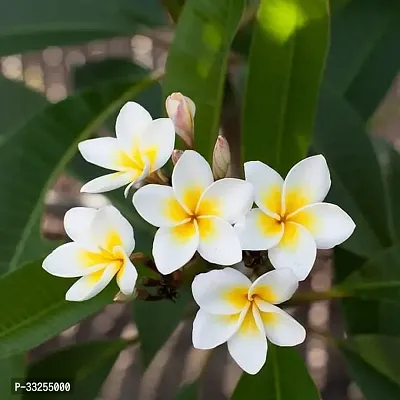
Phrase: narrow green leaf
(285, 68)
(373, 363)
(11, 368)
(86, 366)
(37, 308)
(357, 184)
(156, 321)
(197, 61)
(27, 167)
(284, 377)
(27, 25)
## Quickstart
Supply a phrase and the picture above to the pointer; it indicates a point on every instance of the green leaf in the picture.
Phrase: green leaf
(188, 392)
(27, 25)
(11, 368)
(356, 31)
(197, 61)
(357, 184)
(85, 365)
(373, 363)
(156, 321)
(285, 67)
(28, 168)
(284, 377)
(37, 308)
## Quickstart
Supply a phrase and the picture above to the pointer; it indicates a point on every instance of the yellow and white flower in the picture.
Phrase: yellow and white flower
(244, 314)
(103, 240)
(142, 146)
(291, 221)
(195, 214)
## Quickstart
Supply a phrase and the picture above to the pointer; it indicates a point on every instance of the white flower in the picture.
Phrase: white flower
(103, 240)
(195, 214)
(234, 310)
(291, 221)
(141, 147)
(181, 109)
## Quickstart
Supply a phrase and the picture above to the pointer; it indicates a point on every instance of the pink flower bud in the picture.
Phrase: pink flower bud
(181, 110)
(176, 155)
(221, 158)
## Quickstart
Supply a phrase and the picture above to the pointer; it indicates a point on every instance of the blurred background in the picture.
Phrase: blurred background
(51, 72)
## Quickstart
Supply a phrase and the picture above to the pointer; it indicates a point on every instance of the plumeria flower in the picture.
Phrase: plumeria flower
(195, 214)
(244, 314)
(103, 240)
(142, 146)
(291, 221)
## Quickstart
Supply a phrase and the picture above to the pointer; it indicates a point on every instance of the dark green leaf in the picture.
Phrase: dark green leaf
(11, 368)
(188, 392)
(85, 365)
(28, 167)
(38, 309)
(197, 61)
(284, 377)
(27, 25)
(357, 184)
(356, 30)
(373, 363)
(285, 68)
(156, 321)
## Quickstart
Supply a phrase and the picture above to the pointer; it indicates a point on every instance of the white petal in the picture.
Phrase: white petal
(174, 247)
(131, 123)
(328, 224)
(77, 222)
(307, 182)
(258, 231)
(267, 184)
(210, 330)
(158, 206)
(88, 286)
(248, 346)
(101, 151)
(226, 198)
(127, 276)
(219, 243)
(221, 291)
(190, 178)
(296, 250)
(109, 182)
(110, 229)
(280, 328)
(158, 142)
(275, 286)
(67, 261)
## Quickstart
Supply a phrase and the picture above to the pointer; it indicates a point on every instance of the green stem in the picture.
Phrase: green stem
(310, 297)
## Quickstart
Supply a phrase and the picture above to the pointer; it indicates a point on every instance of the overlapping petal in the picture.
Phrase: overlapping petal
(109, 182)
(191, 177)
(131, 123)
(227, 198)
(296, 250)
(275, 286)
(157, 204)
(127, 275)
(328, 224)
(77, 223)
(174, 247)
(258, 231)
(267, 185)
(221, 291)
(306, 183)
(219, 243)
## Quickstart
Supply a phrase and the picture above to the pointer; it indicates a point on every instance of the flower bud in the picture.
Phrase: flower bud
(221, 158)
(181, 110)
(176, 155)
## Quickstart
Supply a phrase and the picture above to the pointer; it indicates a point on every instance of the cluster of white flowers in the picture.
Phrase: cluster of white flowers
(206, 212)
